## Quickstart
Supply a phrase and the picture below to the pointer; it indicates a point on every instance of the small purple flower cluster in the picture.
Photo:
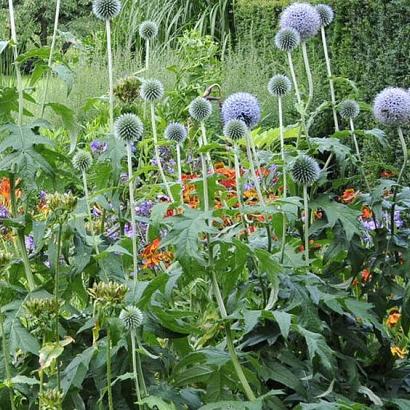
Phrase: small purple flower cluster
(167, 162)
(98, 147)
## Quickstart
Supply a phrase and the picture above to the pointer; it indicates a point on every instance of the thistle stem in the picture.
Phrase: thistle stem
(20, 237)
(132, 211)
(205, 142)
(352, 129)
(50, 57)
(257, 162)
(157, 156)
(110, 72)
(56, 294)
(87, 200)
(16, 65)
(308, 74)
(306, 230)
(147, 54)
(253, 173)
(6, 361)
(237, 177)
(134, 366)
(180, 173)
(331, 82)
(109, 390)
(294, 80)
(284, 173)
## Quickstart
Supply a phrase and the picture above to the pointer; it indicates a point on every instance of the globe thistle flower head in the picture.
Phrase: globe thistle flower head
(148, 30)
(176, 132)
(349, 109)
(279, 85)
(106, 9)
(302, 17)
(131, 317)
(235, 129)
(128, 127)
(241, 106)
(152, 90)
(392, 106)
(200, 109)
(326, 14)
(287, 39)
(305, 170)
(82, 160)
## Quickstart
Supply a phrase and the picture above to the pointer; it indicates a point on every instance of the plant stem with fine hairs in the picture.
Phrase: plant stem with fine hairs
(109, 389)
(134, 366)
(87, 200)
(331, 82)
(180, 172)
(50, 57)
(285, 185)
(294, 80)
(157, 156)
(308, 74)
(205, 142)
(16, 64)
(306, 230)
(253, 172)
(110, 72)
(358, 153)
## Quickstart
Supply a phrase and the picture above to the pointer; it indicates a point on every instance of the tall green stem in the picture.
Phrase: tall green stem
(204, 168)
(6, 361)
(20, 237)
(253, 173)
(56, 295)
(331, 82)
(306, 230)
(109, 389)
(16, 64)
(132, 211)
(257, 162)
(294, 80)
(134, 366)
(205, 142)
(180, 173)
(87, 200)
(110, 72)
(157, 156)
(229, 340)
(237, 177)
(50, 57)
(359, 157)
(147, 54)
(284, 173)
(308, 74)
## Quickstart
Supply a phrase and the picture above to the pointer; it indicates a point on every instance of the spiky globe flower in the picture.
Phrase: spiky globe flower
(392, 106)
(131, 317)
(128, 127)
(106, 9)
(326, 14)
(152, 90)
(176, 132)
(235, 129)
(200, 109)
(279, 85)
(82, 160)
(349, 109)
(241, 106)
(302, 17)
(148, 30)
(305, 170)
(287, 39)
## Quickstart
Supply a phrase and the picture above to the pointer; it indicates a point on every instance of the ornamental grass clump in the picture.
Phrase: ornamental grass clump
(279, 86)
(200, 110)
(305, 171)
(107, 10)
(305, 19)
(245, 107)
(392, 108)
(148, 30)
(130, 129)
(177, 133)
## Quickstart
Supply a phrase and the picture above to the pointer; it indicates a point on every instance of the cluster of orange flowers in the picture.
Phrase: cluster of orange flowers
(393, 318)
(349, 196)
(152, 256)
(365, 276)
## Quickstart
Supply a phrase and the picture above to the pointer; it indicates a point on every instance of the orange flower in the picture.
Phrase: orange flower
(394, 317)
(152, 257)
(366, 275)
(230, 178)
(5, 192)
(367, 213)
(262, 171)
(349, 195)
(250, 195)
(396, 351)
(386, 173)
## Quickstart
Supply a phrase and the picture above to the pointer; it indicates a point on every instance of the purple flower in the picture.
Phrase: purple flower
(241, 106)
(4, 212)
(167, 162)
(128, 232)
(144, 208)
(29, 241)
(43, 196)
(302, 17)
(96, 212)
(98, 147)
(392, 106)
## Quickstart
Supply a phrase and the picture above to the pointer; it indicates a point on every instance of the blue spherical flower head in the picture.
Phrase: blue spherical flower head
(302, 17)
(148, 30)
(349, 109)
(82, 160)
(279, 85)
(287, 39)
(305, 170)
(241, 106)
(200, 109)
(128, 127)
(106, 9)
(235, 129)
(392, 106)
(326, 14)
(176, 132)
